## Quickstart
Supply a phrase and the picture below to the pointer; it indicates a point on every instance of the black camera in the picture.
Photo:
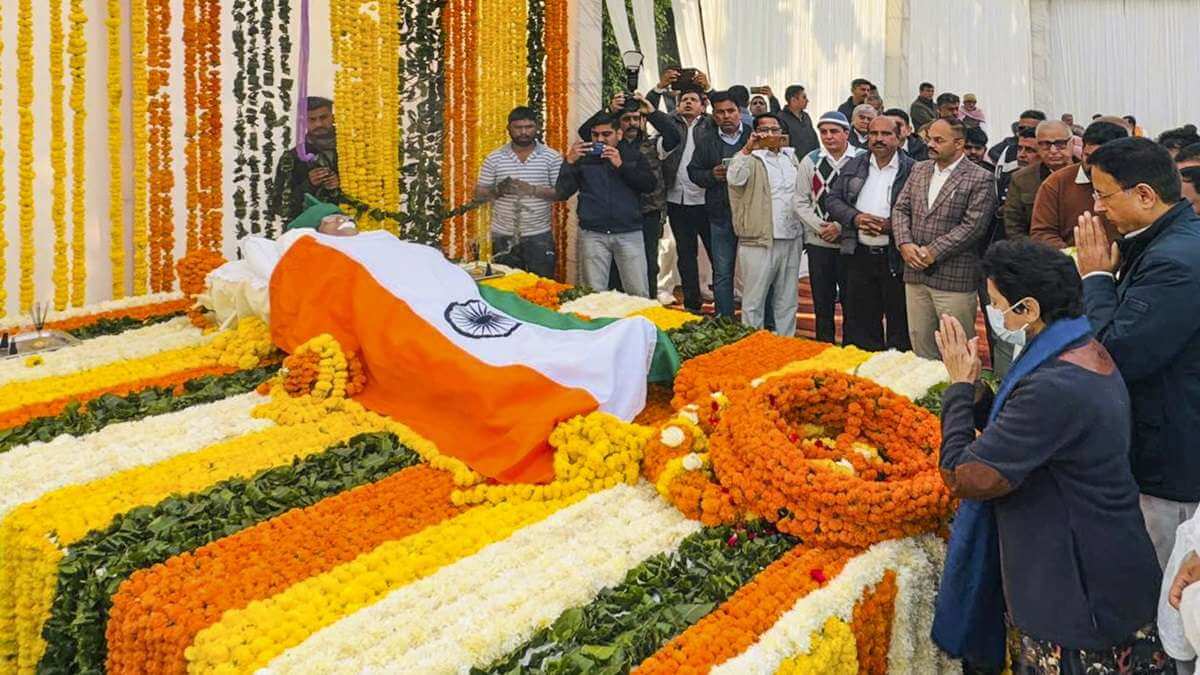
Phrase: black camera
(633, 67)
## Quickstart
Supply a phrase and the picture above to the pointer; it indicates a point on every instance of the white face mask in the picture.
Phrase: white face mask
(996, 319)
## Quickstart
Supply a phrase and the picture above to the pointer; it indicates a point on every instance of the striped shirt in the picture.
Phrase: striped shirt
(531, 215)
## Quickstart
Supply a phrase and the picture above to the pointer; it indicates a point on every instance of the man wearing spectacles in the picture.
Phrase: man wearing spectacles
(1067, 193)
(1047, 150)
(762, 194)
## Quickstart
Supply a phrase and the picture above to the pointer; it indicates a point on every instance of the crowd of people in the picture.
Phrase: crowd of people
(1080, 244)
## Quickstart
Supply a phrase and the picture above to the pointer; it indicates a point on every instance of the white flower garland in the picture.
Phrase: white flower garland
(612, 304)
(134, 344)
(35, 469)
(20, 320)
(909, 558)
(904, 372)
(515, 587)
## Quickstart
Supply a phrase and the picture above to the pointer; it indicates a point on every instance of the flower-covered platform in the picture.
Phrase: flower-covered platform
(179, 498)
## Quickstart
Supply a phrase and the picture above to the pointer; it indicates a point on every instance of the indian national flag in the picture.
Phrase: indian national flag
(486, 384)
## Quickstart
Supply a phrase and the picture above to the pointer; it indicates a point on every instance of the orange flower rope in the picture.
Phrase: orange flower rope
(832, 493)
(161, 211)
(158, 611)
(18, 416)
(872, 625)
(748, 613)
(139, 312)
(191, 151)
(732, 367)
(209, 87)
(543, 292)
(462, 81)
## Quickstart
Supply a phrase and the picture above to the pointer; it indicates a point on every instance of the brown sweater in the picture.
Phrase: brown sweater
(1060, 201)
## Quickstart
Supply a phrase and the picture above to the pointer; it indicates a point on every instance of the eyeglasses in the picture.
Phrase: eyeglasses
(1057, 144)
(1099, 197)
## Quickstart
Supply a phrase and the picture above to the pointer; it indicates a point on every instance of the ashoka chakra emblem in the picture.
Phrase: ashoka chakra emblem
(474, 319)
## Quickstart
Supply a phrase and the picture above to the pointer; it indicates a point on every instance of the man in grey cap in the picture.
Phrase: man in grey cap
(826, 268)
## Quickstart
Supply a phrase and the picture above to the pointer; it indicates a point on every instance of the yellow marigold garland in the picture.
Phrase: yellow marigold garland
(78, 49)
(666, 319)
(58, 156)
(25, 145)
(137, 50)
(116, 204)
(591, 453)
(832, 651)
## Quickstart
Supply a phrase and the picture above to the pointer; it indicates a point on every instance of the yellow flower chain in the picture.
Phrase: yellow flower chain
(366, 40)
(34, 536)
(591, 453)
(832, 651)
(844, 359)
(3, 239)
(666, 319)
(116, 205)
(246, 639)
(58, 156)
(78, 49)
(246, 346)
(140, 102)
(25, 145)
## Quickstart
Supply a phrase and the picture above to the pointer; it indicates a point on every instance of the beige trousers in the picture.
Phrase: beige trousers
(925, 309)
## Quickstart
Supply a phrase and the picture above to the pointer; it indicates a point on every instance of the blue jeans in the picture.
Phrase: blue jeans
(598, 251)
(533, 253)
(724, 256)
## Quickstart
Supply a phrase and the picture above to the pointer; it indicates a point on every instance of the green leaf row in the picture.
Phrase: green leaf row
(79, 419)
(702, 337)
(95, 567)
(658, 600)
(110, 326)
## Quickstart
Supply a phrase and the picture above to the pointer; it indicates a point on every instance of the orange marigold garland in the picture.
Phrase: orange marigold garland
(543, 292)
(872, 625)
(209, 102)
(192, 269)
(459, 19)
(191, 150)
(748, 613)
(875, 479)
(558, 41)
(677, 463)
(160, 209)
(732, 367)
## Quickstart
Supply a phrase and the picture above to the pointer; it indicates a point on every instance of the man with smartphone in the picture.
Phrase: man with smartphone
(296, 178)
(762, 195)
(609, 178)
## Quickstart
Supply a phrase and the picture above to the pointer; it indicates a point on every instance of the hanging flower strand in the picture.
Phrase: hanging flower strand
(138, 47)
(116, 206)
(3, 240)
(25, 144)
(78, 50)
(58, 155)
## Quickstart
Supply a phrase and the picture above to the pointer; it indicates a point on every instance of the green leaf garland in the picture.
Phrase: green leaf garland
(94, 567)
(702, 337)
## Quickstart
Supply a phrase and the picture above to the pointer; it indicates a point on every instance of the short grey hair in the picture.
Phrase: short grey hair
(1049, 125)
(864, 108)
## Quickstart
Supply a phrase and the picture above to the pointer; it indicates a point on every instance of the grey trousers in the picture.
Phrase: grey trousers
(925, 309)
(771, 268)
(597, 252)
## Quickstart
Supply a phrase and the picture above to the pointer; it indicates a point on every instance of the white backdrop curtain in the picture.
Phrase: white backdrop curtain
(821, 44)
(1125, 57)
(973, 46)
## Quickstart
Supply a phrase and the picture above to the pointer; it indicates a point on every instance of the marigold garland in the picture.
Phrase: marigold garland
(160, 209)
(139, 106)
(460, 25)
(25, 146)
(58, 156)
(768, 453)
(832, 651)
(558, 41)
(320, 368)
(116, 143)
(732, 367)
(754, 608)
(208, 83)
(544, 292)
(191, 133)
(872, 625)
(192, 590)
(78, 49)
(667, 319)
(678, 464)
(138, 312)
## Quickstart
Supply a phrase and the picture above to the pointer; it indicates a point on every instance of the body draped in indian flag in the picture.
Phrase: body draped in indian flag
(485, 385)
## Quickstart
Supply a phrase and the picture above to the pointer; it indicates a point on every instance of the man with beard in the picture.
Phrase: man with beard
(295, 177)
(519, 178)
(861, 200)
(653, 203)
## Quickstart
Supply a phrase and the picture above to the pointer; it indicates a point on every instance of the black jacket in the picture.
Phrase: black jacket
(608, 196)
(1147, 318)
(668, 132)
(800, 131)
(847, 108)
(670, 165)
(920, 150)
(843, 193)
(710, 150)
